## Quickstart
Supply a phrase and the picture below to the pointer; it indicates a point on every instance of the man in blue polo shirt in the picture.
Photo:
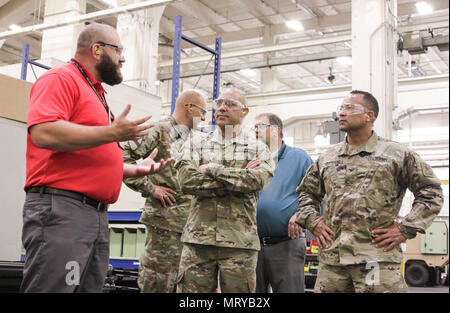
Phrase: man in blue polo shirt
(281, 259)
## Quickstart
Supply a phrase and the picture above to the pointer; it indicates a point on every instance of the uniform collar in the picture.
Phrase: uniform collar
(181, 130)
(96, 83)
(369, 146)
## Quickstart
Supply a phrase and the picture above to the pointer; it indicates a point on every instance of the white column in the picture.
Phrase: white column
(61, 42)
(139, 33)
(268, 79)
(374, 56)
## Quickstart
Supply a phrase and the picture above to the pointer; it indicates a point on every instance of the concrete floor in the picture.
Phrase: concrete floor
(436, 289)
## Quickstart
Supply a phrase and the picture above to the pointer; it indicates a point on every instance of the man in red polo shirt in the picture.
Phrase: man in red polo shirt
(75, 167)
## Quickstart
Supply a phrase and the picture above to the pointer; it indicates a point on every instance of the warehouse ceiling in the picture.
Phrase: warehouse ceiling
(256, 25)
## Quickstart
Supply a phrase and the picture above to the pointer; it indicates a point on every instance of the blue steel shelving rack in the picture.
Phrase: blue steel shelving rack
(177, 62)
(26, 60)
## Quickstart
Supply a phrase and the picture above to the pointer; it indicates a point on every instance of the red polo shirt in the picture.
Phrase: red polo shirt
(63, 93)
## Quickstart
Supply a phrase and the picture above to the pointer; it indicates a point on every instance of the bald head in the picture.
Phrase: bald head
(188, 97)
(93, 33)
(234, 94)
(190, 108)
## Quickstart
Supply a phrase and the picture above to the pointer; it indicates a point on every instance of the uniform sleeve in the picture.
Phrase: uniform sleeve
(311, 192)
(242, 180)
(135, 150)
(419, 177)
(191, 180)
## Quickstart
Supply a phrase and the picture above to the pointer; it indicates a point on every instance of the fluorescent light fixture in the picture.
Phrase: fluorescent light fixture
(295, 25)
(110, 2)
(14, 27)
(423, 7)
(344, 60)
(248, 72)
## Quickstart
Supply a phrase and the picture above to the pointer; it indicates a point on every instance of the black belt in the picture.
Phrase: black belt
(267, 241)
(99, 206)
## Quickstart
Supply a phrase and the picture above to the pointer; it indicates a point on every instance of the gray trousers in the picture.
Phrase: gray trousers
(282, 266)
(66, 243)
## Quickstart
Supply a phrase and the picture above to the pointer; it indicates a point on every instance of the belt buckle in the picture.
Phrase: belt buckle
(264, 241)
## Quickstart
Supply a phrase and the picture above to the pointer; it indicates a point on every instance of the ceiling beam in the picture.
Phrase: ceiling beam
(202, 13)
(270, 62)
(258, 8)
(317, 23)
(265, 49)
(14, 12)
(85, 17)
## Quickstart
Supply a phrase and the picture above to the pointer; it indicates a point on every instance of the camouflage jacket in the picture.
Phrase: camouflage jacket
(168, 137)
(223, 211)
(364, 189)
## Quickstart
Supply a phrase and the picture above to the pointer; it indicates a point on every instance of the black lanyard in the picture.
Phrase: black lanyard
(102, 99)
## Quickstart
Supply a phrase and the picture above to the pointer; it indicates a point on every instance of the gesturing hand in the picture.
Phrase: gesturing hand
(150, 164)
(124, 129)
(164, 195)
(322, 233)
(147, 166)
(390, 236)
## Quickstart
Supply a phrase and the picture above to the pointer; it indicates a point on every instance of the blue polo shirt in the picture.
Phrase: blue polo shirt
(279, 200)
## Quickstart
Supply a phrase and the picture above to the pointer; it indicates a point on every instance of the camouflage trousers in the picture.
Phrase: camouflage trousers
(158, 266)
(201, 265)
(382, 277)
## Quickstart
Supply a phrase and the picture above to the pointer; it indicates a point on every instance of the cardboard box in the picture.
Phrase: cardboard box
(15, 98)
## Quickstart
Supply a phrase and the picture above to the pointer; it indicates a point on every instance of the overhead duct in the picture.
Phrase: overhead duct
(415, 43)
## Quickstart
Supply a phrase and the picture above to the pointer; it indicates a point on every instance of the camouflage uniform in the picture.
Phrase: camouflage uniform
(159, 262)
(220, 233)
(364, 189)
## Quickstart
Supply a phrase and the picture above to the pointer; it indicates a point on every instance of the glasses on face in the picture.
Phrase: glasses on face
(119, 50)
(351, 108)
(203, 111)
(262, 126)
(232, 105)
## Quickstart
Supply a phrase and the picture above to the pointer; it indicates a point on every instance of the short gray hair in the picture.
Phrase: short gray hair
(273, 120)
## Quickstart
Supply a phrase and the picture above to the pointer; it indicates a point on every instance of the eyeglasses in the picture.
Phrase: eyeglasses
(203, 111)
(232, 105)
(262, 126)
(120, 50)
(351, 108)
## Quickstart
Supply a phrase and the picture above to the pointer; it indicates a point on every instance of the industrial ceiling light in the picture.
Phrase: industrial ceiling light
(344, 60)
(248, 72)
(14, 27)
(295, 25)
(423, 7)
(112, 3)
(331, 77)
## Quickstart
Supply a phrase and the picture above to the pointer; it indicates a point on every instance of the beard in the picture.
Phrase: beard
(109, 71)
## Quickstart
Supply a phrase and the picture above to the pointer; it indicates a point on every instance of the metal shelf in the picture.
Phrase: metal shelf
(312, 255)
(129, 263)
(121, 216)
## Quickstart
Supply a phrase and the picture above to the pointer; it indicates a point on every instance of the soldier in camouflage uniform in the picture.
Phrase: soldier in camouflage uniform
(166, 206)
(363, 181)
(224, 170)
